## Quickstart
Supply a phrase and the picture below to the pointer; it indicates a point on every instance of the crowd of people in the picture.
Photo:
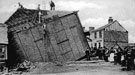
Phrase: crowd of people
(124, 57)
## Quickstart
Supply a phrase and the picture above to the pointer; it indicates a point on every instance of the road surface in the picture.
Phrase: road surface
(83, 68)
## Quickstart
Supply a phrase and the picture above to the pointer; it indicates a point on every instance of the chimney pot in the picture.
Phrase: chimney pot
(110, 20)
(91, 28)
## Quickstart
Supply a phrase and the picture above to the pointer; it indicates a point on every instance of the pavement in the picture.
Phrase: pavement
(96, 67)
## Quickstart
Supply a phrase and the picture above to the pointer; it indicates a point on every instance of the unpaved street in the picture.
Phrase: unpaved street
(82, 68)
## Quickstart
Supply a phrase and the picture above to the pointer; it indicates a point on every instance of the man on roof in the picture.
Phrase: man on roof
(52, 5)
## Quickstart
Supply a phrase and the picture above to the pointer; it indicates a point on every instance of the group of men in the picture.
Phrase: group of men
(124, 57)
(101, 53)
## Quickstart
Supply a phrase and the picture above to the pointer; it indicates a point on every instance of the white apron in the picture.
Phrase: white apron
(111, 58)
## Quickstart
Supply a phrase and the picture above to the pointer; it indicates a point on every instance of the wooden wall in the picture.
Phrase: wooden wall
(111, 37)
(62, 40)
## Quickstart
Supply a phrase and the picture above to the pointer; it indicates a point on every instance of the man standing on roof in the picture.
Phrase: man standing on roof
(20, 5)
(52, 5)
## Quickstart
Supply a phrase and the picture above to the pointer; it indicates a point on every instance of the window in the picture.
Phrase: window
(99, 45)
(1, 52)
(95, 44)
(95, 35)
(100, 34)
(1, 48)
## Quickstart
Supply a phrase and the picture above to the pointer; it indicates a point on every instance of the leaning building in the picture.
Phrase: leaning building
(46, 35)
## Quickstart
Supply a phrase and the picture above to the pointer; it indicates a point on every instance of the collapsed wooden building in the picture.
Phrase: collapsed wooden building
(45, 35)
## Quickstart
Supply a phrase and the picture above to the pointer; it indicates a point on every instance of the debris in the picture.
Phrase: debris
(23, 67)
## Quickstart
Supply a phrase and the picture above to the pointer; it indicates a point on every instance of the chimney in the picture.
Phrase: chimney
(91, 28)
(110, 20)
(83, 28)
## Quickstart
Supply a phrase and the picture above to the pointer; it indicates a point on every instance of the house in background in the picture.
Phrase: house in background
(3, 43)
(110, 35)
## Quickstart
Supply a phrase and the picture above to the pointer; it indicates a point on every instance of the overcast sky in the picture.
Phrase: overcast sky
(91, 12)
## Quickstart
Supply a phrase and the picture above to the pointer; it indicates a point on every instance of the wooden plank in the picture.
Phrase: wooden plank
(43, 50)
(51, 50)
(63, 41)
(61, 36)
(71, 54)
(81, 35)
(19, 42)
(70, 36)
(53, 42)
(74, 47)
(57, 49)
(66, 50)
(77, 41)
(29, 46)
(69, 51)
(34, 38)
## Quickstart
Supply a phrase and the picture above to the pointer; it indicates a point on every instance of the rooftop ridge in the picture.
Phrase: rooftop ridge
(104, 26)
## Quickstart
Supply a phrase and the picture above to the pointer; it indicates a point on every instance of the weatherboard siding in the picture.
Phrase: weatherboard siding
(62, 39)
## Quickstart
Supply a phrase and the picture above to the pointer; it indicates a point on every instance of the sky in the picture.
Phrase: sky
(92, 13)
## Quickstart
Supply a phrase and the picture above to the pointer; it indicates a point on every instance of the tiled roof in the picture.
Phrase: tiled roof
(22, 14)
(116, 36)
(103, 27)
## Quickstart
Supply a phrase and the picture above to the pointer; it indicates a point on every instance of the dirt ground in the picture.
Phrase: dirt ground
(95, 67)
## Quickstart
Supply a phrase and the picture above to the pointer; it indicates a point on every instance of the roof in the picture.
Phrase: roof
(3, 34)
(107, 25)
(23, 14)
(103, 27)
(131, 44)
(116, 36)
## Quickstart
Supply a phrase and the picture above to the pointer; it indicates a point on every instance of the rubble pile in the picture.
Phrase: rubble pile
(23, 67)
(28, 67)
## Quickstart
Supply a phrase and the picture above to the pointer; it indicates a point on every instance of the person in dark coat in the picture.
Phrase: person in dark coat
(129, 60)
(132, 59)
(106, 55)
(99, 53)
(52, 5)
(87, 52)
(119, 54)
(124, 53)
(103, 53)
(115, 56)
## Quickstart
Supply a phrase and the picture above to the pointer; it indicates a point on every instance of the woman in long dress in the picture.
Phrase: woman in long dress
(112, 54)
(111, 58)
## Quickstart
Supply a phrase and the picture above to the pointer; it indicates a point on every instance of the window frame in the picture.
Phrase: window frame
(95, 35)
(100, 34)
